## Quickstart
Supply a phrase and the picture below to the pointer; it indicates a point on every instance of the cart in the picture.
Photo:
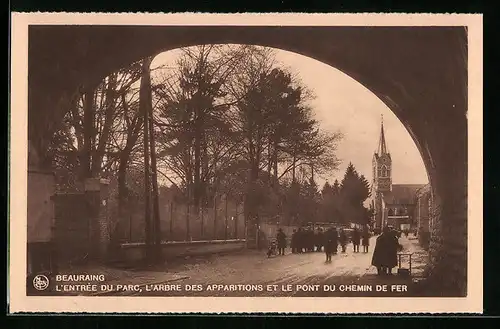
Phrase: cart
(272, 248)
(402, 271)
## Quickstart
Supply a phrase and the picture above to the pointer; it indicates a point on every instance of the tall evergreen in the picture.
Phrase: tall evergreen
(354, 190)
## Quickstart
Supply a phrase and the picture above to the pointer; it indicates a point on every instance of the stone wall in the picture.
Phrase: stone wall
(135, 252)
(422, 216)
(448, 249)
(72, 228)
(82, 224)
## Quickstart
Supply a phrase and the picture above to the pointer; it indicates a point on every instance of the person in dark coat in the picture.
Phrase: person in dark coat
(365, 240)
(319, 240)
(335, 237)
(330, 244)
(306, 239)
(310, 242)
(385, 252)
(281, 239)
(293, 243)
(343, 240)
(356, 238)
(300, 240)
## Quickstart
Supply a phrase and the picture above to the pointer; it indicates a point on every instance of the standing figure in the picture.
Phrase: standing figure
(306, 239)
(310, 240)
(300, 240)
(330, 244)
(356, 238)
(335, 239)
(385, 252)
(366, 240)
(343, 240)
(293, 243)
(281, 238)
(319, 239)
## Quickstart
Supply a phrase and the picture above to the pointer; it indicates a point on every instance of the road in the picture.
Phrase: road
(251, 273)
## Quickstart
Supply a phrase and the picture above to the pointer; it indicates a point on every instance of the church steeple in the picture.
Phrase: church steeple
(382, 177)
(382, 164)
(382, 147)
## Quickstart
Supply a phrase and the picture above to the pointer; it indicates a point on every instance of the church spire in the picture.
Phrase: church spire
(382, 147)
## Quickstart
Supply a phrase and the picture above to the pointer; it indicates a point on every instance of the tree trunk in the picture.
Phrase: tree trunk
(154, 175)
(225, 219)
(205, 169)
(188, 226)
(236, 222)
(88, 131)
(171, 219)
(270, 162)
(143, 104)
(122, 194)
(251, 209)
(275, 161)
(197, 162)
(215, 216)
(106, 130)
(125, 154)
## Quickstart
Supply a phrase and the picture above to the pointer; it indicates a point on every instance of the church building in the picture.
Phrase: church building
(392, 204)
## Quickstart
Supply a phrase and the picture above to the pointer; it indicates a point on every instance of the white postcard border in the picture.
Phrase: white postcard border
(19, 302)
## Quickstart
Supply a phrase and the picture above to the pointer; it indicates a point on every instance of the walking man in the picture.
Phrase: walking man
(356, 238)
(385, 252)
(366, 240)
(330, 244)
(293, 243)
(343, 240)
(281, 238)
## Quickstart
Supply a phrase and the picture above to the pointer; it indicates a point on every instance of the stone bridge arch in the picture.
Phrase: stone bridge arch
(419, 72)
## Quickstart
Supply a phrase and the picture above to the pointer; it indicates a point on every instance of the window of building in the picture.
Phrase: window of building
(384, 171)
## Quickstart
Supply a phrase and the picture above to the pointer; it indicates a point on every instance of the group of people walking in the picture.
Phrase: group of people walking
(306, 240)
(333, 239)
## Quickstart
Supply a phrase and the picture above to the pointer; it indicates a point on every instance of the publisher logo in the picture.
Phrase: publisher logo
(40, 282)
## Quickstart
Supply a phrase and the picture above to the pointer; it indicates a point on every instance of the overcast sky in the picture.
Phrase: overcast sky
(342, 104)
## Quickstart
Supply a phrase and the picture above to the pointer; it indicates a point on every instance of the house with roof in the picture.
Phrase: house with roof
(392, 204)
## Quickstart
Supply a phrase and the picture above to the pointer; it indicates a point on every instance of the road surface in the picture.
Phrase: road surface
(251, 273)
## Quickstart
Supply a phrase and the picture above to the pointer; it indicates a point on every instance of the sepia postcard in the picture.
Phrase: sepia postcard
(245, 163)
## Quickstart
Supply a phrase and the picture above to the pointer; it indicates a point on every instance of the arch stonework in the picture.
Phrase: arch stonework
(419, 72)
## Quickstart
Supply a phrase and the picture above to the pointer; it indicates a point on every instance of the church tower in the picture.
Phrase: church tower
(382, 178)
(382, 165)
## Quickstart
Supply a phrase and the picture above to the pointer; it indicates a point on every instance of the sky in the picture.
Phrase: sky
(343, 104)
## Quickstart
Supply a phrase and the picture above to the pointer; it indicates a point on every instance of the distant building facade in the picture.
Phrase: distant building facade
(392, 204)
